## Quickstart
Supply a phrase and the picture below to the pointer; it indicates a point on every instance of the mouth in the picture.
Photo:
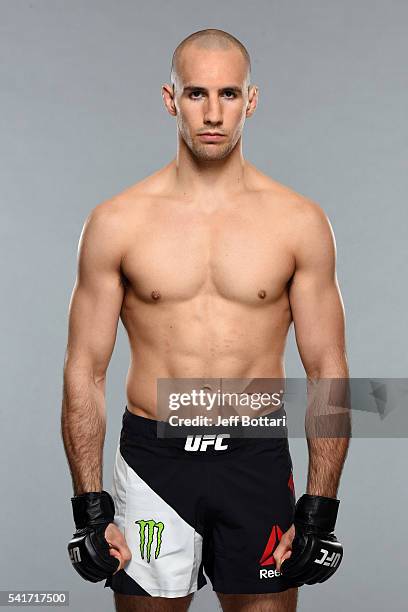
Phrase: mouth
(211, 136)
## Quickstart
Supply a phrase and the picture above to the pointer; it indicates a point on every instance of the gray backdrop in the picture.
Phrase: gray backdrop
(81, 119)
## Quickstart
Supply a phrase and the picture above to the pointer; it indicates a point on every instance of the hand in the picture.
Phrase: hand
(284, 549)
(118, 547)
(91, 554)
(315, 553)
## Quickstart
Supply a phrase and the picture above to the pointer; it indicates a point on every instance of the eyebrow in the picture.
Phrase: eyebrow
(233, 88)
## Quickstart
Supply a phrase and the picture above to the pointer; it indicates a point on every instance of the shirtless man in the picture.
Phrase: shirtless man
(207, 262)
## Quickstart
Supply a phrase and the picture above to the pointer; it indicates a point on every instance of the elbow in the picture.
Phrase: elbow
(81, 374)
(329, 364)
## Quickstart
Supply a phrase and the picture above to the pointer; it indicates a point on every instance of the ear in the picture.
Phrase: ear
(168, 98)
(252, 100)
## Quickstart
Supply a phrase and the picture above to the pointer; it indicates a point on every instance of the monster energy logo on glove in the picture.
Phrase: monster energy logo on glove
(146, 541)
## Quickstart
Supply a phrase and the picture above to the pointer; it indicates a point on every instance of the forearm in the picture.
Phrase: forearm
(327, 426)
(83, 426)
(326, 460)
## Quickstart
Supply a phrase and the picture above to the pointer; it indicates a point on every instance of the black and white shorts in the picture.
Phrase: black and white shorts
(182, 512)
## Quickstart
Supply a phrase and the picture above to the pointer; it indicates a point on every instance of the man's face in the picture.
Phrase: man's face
(211, 96)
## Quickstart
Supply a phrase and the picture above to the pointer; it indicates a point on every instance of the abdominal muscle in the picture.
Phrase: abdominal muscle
(190, 340)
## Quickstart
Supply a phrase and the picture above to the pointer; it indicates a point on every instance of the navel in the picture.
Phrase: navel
(262, 294)
(155, 295)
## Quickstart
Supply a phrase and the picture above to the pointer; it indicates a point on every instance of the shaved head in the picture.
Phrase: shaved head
(211, 39)
(210, 94)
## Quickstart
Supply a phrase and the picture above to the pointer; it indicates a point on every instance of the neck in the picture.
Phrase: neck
(196, 177)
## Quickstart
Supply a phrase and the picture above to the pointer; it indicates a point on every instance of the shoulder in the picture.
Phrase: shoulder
(307, 215)
(106, 226)
(112, 226)
(125, 208)
(302, 221)
(299, 211)
(310, 232)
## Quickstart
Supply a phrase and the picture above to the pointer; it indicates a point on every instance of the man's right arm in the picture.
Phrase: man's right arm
(93, 319)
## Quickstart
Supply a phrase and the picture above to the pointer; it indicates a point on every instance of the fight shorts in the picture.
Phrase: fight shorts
(221, 510)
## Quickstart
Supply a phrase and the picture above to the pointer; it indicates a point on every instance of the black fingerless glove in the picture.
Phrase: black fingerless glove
(316, 552)
(88, 549)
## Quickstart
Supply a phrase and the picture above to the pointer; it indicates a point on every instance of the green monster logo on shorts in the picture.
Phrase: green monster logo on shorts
(149, 526)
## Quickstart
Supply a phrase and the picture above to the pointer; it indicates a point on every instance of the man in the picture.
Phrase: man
(207, 262)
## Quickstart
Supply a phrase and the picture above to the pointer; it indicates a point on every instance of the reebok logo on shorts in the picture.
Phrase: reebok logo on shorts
(267, 558)
(149, 531)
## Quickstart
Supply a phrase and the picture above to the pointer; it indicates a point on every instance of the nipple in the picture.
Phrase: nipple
(155, 295)
(262, 294)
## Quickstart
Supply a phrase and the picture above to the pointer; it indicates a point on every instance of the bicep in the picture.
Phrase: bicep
(315, 299)
(96, 299)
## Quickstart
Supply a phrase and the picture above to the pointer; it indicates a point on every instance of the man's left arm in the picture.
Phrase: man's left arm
(319, 322)
(309, 551)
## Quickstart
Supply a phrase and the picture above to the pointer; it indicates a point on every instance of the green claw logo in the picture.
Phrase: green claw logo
(150, 527)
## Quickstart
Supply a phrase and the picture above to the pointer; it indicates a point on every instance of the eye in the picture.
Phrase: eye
(231, 94)
(194, 97)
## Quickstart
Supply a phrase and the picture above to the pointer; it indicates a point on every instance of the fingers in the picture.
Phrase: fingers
(280, 554)
(283, 558)
(118, 545)
(122, 561)
(284, 549)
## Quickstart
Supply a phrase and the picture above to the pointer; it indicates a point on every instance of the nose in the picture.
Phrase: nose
(213, 111)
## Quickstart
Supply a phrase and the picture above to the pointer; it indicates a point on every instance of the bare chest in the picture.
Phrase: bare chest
(236, 255)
